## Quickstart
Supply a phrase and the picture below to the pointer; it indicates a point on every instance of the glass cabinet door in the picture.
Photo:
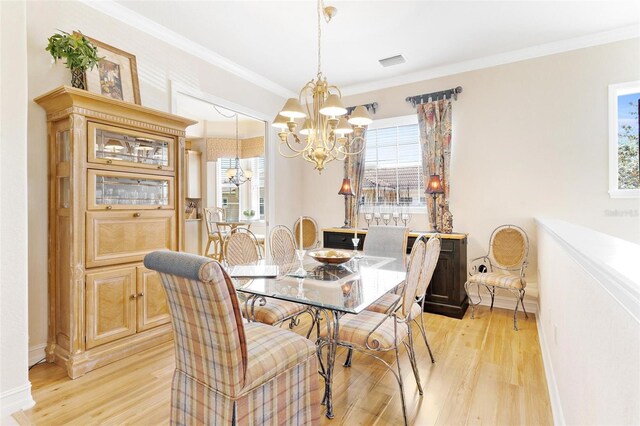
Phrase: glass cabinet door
(115, 190)
(113, 145)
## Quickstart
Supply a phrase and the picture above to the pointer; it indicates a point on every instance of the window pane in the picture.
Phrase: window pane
(393, 166)
(628, 132)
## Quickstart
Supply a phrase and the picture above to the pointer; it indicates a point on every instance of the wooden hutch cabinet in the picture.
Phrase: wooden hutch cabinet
(115, 173)
(445, 295)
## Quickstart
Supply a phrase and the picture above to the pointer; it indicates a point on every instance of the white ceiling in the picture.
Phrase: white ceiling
(276, 40)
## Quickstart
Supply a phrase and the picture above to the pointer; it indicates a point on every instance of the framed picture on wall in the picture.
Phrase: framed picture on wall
(116, 74)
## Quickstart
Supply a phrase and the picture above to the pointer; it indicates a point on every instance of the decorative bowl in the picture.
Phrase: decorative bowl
(331, 256)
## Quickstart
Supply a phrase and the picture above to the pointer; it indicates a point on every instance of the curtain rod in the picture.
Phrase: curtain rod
(436, 96)
(372, 107)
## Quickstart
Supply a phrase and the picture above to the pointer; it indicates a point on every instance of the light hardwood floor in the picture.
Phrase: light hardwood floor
(485, 373)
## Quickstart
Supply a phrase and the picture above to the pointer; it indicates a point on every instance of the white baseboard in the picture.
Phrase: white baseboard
(507, 301)
(554, 395)
(14, 400)
(36, 353)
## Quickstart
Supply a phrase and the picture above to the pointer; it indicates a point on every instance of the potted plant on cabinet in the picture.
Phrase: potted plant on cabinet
(79, 54)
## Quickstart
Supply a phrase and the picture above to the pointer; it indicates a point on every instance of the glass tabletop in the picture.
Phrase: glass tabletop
(349, 288)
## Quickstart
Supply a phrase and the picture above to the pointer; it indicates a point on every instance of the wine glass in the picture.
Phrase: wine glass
(405, 217)
(395, 215)
(300, 272)
(368, 217)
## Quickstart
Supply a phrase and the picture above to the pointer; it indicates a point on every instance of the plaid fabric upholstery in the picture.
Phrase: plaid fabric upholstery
(383, 304)
(272, 351)
(274, 311)
(499, 280)
(228, 372)
(354, 330)
(416, 311)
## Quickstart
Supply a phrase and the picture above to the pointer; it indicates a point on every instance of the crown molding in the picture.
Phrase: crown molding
(146, 25)
(619, 34)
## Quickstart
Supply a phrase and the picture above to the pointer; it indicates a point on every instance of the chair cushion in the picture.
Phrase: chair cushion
(499, 280)
(271, 351)
(354, 330)
(274, 311)
(383, 304)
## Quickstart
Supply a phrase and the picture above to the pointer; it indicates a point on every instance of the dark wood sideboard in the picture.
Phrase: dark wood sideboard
(446, 295)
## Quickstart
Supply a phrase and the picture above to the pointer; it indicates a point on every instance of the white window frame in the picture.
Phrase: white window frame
(616, 90)
(403, 120)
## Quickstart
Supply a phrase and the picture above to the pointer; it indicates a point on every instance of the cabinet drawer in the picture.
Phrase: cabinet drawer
(122, 237)
(338, 240)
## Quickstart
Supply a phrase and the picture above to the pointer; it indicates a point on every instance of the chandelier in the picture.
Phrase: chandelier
(237, 175)
(327, 133)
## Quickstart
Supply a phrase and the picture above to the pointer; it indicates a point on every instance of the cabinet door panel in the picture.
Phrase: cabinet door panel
(440, 290)
(152, 301)
(128, 147)
(121, 237)
(110, 308)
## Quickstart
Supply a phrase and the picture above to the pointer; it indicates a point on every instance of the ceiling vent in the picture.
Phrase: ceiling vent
(392, 60)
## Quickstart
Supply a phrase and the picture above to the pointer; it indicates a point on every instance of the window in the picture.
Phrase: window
(624, 149)
(248, 196)
(393, 164)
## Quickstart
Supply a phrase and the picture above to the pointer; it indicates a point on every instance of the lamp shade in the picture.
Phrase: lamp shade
(345, 189)
(360, 116)
(333, 106)
(293, 109)
(343, 127)
(307, 127)
(434, 186)
(280, 122)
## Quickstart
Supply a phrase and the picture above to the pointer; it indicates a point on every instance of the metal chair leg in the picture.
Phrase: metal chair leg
(522, 303)
(349, 358)
(424, 336)
(492, 292)
(467, 286)
(515, 312)
(412, 358)
(401, 384)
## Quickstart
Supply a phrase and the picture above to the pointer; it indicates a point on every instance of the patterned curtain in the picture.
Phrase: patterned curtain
(435, 138)
(354, 170)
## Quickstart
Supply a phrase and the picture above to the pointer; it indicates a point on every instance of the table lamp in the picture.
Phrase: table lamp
(434, 187)
(346, 190)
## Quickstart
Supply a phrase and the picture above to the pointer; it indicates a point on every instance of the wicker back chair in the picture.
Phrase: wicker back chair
(211, 216)
(240, 247)
(228, 372)
(309, 233)
(502, 267)
(282, 246)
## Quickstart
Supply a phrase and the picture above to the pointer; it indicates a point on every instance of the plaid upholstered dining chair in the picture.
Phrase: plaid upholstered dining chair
(227, 371)
(503, 267)
(370, 332)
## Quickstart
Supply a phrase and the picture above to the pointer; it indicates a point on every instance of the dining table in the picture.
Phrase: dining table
(329, 290)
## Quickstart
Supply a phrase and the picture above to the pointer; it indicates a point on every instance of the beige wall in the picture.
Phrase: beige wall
(529, 139)
(158, 64)
(15, 389)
